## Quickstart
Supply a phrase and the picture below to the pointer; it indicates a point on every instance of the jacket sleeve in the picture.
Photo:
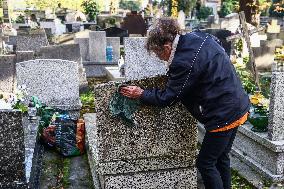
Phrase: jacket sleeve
(181, 77)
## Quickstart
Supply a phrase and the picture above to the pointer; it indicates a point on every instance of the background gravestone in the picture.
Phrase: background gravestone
(134, 24)
(276, 113)
(7, 73)
(97, 46)
(12, 170)
(65, 52)
(231, 22)
(138, 62)
(115, 43)
(159, 151)
(31, 40)
(116, 32)
(54, 82)
(84, 48)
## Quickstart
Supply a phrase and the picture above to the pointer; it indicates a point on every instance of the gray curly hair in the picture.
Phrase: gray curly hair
(164, 30)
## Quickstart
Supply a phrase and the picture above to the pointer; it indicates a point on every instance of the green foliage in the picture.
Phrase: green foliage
(259, 122)
(88, 102)
(53, 4)
(91, 9)
(204, 12)
(247, 80)
(20, 106)
(20, 19)
(228, 7)
(273, 8)
(186, 5)
(66, 172)
(87, 98)
(239, 45)
(109, 22)
(239, 182)
(130, 5)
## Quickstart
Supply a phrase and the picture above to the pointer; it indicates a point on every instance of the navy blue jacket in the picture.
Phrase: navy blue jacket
(209, 88)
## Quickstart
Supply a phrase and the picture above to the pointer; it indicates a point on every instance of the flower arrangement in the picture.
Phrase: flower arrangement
(279, 55)
(259, 112)
(259, 99)
(14, 101)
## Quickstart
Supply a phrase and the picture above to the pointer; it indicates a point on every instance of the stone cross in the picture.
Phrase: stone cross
(273, 27)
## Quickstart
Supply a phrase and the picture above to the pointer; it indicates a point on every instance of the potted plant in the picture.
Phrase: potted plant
(259, 112)
(91, 9)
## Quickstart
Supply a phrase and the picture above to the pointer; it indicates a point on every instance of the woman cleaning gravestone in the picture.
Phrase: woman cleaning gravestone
(201, 76)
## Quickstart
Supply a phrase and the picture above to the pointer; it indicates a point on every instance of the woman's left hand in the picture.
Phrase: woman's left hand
(131, 91)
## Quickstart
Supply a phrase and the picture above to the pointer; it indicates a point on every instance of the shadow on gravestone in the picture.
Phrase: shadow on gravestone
(97, 46)
(54, 82)
(84, 47)
(158, 151)
(31, 40)
(24, 56)
(138, 62)
(7, 73)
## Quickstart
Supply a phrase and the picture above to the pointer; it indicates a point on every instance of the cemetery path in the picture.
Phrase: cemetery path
(59, 172)
(49, 170)
(80, 176)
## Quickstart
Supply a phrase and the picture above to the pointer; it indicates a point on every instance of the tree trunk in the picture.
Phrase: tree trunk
(250, 10)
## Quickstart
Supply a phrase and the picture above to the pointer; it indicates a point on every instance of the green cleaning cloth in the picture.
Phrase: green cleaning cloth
(123, 107)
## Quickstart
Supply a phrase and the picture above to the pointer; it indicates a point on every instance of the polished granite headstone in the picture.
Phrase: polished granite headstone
(138, 62)
(69, 52)
(54, 82)
(12, 148)
(21, 152)
(157, 150)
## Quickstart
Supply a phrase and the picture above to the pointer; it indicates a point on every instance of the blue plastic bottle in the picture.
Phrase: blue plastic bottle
(109, 53)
